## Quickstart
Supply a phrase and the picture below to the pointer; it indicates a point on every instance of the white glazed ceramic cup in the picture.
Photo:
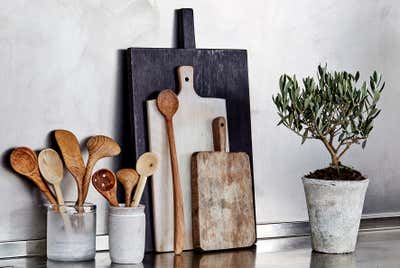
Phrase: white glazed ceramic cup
(126, 233)
(71, 235)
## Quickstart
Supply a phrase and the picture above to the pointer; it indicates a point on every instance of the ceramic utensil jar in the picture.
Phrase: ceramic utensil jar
(127, 226)
(77, 243)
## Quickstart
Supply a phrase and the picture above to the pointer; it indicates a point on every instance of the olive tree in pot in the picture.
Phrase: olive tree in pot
(339, 111)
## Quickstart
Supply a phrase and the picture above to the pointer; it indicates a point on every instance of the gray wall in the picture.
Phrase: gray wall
(60, 68)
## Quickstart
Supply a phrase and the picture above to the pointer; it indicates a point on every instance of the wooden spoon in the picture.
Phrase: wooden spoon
(146, 165)
(71, 153)
(106, 184)
(128, 178)
(168, 103)
(98, 147)
(51, 167)
(24, 161)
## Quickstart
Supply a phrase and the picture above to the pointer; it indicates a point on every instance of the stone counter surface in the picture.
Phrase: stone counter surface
(375, 249)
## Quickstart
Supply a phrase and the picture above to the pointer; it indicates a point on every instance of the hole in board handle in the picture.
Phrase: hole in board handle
(187, 79)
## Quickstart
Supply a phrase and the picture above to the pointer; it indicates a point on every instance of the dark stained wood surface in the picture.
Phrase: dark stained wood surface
(220, 73)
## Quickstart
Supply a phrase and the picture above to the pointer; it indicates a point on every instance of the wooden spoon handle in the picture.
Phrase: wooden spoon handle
(219, 134)
(179, 227)
(59, 194)
(86, 179)
(139, 191)
(44, 188)
(127, 198)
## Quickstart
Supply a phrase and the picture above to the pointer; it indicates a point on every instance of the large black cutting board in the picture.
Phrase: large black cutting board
(220, 73)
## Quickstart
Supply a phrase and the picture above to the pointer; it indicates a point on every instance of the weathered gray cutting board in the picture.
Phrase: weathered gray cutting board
(222, 198)
(192, 124)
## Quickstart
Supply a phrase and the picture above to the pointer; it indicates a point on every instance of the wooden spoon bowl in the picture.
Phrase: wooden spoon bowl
(106, 184)
(24, 161)
(128, 178)
(146, 165)
(167, 103)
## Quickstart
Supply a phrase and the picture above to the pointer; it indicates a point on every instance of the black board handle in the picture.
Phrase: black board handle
(186, 38)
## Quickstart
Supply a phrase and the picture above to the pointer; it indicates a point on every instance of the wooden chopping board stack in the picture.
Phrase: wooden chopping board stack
(192, 134)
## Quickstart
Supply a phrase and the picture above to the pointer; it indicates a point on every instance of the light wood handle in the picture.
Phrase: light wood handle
(59, 194)
(186, 81)
(64, 215)
(179, 225)
(139, 191)
(219, 134)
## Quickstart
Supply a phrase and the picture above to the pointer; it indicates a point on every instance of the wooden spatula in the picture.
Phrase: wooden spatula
(168, 103)
(24, 161)
(222, 196)
(106, 184)
(128, 177)
(71, 153)
(98, 147)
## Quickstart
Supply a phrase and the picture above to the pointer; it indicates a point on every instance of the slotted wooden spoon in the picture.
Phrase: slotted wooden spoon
(24, 161)
(106, 184)
(98, 147)
(128, 178)
(167, 104)
(146, 165)
(71, 153)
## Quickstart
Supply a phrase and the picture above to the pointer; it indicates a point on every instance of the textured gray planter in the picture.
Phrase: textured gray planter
(334, 210)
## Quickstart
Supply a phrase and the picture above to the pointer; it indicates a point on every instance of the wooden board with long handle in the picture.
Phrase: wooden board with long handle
(192, 133)
(222, 196)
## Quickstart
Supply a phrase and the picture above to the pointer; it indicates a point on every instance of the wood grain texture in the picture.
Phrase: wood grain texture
(167, 104)
(106, 184)
(220, 73)
(223, 210)
(222, 197)
(146, 165)
(98, 146)
(24, 161)
(192, 131)
(128, 177)
(71, 153)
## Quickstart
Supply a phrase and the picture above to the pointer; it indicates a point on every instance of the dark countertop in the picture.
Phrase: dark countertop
(375, 249)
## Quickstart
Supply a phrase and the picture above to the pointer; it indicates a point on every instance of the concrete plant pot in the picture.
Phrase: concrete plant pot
(334, 211)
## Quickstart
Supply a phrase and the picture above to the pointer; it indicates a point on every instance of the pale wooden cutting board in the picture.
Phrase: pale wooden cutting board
(192, 125)
(222, 196)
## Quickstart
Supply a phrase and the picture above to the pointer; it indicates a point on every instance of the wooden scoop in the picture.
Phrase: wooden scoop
(98, 148)
(71, 153)
(146, 165)
(106, 184)
(24, 161)
(128, 178)
(168, 103)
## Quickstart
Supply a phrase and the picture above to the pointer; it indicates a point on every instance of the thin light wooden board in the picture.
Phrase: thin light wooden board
(193, 133)
(223, 208)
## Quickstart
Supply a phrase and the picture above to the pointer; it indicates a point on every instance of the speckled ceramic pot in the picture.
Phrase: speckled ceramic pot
(334, 211)
(126, 232)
